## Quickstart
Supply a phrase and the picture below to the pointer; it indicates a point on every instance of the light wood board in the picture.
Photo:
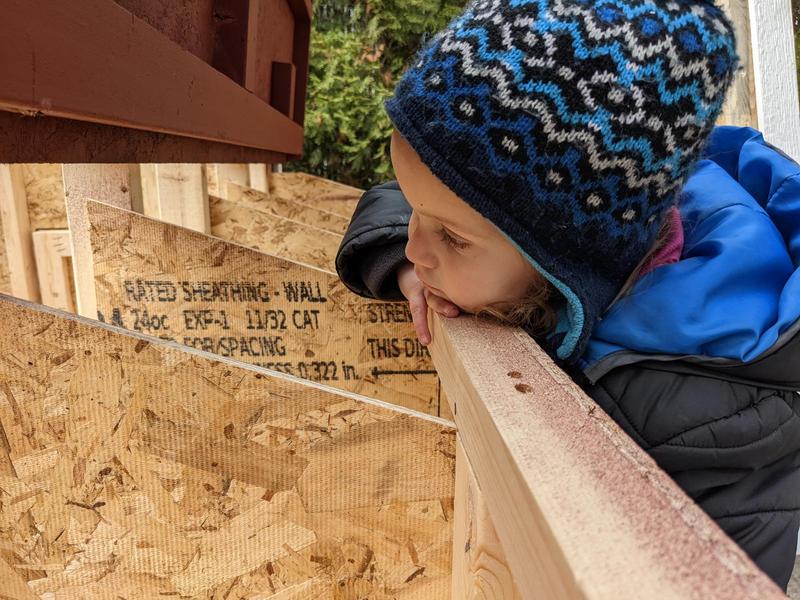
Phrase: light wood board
(53, 251)
(164, 280)
(110, 183)
(580, 510)
(134, 468)
(265, 231)
(289, 209)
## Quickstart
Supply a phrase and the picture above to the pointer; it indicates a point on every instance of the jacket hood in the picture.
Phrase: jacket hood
(734, 297)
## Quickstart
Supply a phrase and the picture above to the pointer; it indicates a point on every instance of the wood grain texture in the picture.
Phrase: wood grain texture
(92, 41)
(775, 72)
(39, 138)
(740, 105)
(144, 470)
(53, 251)
(580, 510)
(262, 230)
(289, 209)
(105, 182)
(222, 297)
(22, 279)
(221, 174)
(314, 191)
(258, 176)
(176, 193)
(480, 569)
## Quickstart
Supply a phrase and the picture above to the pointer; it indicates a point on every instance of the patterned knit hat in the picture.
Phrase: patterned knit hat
(571, 125)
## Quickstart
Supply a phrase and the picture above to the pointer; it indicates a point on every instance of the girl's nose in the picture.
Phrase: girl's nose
(418, 247)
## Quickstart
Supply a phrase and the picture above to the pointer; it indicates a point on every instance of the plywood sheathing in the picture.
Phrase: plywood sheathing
(164, 280)
(262, 230)
(288, 208)
(581, 511)
(44, 189)
(315, 191)
(139, 469)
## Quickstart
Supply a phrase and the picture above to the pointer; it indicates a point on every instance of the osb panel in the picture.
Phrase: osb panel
(289, 209)
(220, 297)
(270, 233)
(136, 469)
(315, 191)
(44, 190)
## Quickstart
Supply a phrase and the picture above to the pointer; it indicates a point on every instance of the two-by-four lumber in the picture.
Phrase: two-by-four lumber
(18, 244)
(257, 176)
(275, 235)
(222, 297)
(176, 193)
(221, 174)
(580, 510)
(740, 104)
(480, 569)
(142, 469)
(53, 251)
(110, 183)
(289, 209)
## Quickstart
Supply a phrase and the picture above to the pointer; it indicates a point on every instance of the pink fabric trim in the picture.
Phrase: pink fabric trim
(671, 252)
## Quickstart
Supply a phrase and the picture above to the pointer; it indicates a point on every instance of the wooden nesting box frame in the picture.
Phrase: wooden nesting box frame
(133, 81)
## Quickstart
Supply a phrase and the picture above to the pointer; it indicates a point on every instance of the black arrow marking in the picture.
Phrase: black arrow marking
(377, 372)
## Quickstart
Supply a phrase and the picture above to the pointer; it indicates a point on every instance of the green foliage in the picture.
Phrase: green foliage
(358, 52)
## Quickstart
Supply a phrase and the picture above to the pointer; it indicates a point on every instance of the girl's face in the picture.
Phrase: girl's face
(457, 253)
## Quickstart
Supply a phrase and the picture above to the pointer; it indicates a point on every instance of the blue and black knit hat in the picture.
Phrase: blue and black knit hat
(571, 125)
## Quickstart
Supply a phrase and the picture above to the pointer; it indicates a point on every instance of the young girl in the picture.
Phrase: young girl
(557, 168)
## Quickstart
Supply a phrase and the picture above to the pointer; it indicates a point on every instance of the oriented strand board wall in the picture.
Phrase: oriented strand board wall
(164, 280)
(265, 231)
(137, 469)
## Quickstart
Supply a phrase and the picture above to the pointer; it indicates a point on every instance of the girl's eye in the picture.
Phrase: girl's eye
(451, 241)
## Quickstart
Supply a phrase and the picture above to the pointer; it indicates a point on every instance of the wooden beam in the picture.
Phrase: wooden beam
(580, 510)
(148, 470)
(91, 41)
(109, 183)
(740, 105)
(221, 174)
(262, 230)
(775, 72)
(222, 297)
(40, 138)
(17, 234)
(258, 177)
(53, 250)
(288, 208)
(177, 194)
(480, 569)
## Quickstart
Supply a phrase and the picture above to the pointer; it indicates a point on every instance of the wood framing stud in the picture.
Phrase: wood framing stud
(480, 569)
(107, 183)
(53, 250)
(176, 193)
(580, 510)
(24, 282)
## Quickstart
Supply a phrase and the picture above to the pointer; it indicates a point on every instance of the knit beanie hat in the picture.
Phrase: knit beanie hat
(571, 125)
